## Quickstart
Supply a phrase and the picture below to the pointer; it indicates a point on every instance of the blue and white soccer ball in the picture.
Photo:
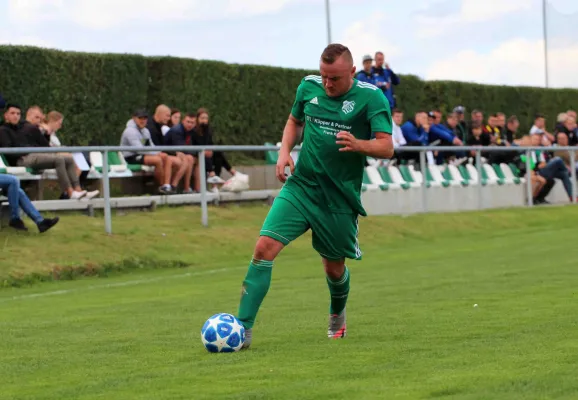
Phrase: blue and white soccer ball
(223, 333)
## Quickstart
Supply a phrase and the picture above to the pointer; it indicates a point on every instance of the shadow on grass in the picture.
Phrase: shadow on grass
(69, 273)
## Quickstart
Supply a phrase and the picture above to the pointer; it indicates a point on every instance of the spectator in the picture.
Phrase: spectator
(549, 170)
(366, 74)
(492, 130)
(462, 128)
(562, 141)
(539, 128)
(501, 123)
(446, 133)
(512, 126)
(203, 136)
(416, 130)
(15, 134)
(569, 128)
(49, 127)
(475, 138)
(155, 124)
(181, 135)
(17, 199)
(175, 120)
(385, 78)
(138, 136)
(397, 134)
(477, 116)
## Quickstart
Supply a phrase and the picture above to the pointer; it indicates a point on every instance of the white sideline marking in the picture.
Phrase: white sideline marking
(114, 285)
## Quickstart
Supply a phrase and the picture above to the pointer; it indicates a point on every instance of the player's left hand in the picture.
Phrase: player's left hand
(347, 140)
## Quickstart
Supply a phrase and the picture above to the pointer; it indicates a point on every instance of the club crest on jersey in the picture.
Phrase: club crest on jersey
(348, 106)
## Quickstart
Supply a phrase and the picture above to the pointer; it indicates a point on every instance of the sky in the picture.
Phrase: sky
(484, 41)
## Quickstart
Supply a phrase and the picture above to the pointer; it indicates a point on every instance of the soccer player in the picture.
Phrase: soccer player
(337, 115)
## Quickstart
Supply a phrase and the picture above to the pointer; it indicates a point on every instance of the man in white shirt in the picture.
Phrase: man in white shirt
(539, 128)
(398, 138)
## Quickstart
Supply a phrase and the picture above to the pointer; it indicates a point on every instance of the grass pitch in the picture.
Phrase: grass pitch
(414, 332)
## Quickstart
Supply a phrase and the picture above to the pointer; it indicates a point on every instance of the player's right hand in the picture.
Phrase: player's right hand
(284, 160)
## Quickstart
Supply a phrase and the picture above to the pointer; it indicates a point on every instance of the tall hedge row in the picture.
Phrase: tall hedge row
(249, 104)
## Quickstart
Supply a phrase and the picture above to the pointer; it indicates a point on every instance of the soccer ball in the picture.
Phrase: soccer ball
(223, 333)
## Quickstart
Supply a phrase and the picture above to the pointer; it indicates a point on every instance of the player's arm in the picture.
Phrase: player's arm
(379, 118)
(291, 135)
(381, 147)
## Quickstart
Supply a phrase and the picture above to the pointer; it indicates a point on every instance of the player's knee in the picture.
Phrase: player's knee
(334, 269)
(267, 249)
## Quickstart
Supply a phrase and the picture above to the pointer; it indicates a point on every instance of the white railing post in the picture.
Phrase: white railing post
(529, 178)
(479, 169)
(424, 193)
(573, 174)
(106, 190)
(203, 185)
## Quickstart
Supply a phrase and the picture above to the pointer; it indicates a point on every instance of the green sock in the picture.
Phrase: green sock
(255, 287)
(339, 290)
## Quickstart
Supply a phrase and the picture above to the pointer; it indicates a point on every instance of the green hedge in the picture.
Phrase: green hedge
(249, 104)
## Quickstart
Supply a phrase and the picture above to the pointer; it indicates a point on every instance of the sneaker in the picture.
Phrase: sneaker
(248, 338)
(91, 195)
(188, 191)
(78, 195)
(337, 327)
(18, 224)
(166, 189)
(217, 180)
(47, 223)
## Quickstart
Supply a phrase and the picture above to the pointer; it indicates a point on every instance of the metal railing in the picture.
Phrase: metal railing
(200, 150)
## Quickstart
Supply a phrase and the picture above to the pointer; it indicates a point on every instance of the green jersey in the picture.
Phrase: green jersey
(322, 169)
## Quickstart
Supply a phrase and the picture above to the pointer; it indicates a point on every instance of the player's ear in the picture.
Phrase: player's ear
(353, 69)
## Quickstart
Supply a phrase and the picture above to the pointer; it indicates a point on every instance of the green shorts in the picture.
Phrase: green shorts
(334, 234)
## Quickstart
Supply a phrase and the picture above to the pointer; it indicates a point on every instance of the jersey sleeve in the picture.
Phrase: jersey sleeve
(298, 109)
(379, 113)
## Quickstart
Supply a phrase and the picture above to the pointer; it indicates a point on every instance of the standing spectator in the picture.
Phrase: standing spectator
(539, 128)
(138, 136)
(155, 124)
(385, 78)
(203, 136)
(462, 127)
(181, 135)
(27, 134)
(17, 199)
(174, 121)
(366, 75)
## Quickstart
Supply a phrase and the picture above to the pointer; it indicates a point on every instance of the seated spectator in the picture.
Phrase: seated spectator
(560, 122)
(397, 134)
(181, 135)
(366, 74)
(203, 136)
(476, 138)
(562, 141)
(155, 124)
(15, 134)
(569, 128)
(416, 133)
(539, 128)
(477, 116)
(446, 133)
(511, 131)
(175, 120)
(547, 169)
(17, 199)
(462, 127)
(491, 129)
(138, 136)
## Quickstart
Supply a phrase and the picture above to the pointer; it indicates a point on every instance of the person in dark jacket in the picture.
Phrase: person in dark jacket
(385, 78)
(13, 133)
(155, 124)
(203, 136)
(181, 135)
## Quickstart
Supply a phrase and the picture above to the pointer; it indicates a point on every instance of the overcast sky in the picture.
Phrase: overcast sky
(486, 41)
